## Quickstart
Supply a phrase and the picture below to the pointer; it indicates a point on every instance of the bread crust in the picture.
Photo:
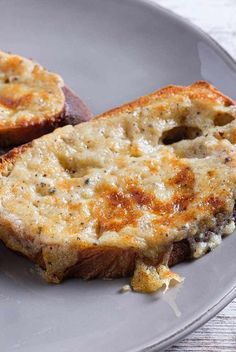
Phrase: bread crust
(99, 261)
(114, 263)
(91, 263)
(200, 89)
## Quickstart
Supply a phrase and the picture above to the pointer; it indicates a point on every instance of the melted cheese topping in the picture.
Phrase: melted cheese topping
(91, 186)
(149, 279)
(117, 182)
(28, 92)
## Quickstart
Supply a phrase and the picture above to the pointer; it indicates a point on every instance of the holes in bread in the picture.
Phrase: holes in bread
(223, 119)
(68, 165)
(79, 167)
(180, 133)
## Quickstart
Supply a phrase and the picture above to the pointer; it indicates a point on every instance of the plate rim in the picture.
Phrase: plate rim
(192, 326)
(158, 344)
(230, 295)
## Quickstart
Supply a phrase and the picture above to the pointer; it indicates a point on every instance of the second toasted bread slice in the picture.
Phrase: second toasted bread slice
(33, 101)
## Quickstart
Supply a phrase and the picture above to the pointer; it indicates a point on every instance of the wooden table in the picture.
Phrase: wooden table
(217, 18)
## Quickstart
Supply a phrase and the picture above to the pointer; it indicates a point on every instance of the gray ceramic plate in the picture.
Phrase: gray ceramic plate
(110, 52)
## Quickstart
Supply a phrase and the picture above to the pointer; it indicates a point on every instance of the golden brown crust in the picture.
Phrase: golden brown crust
(7, 160)
(15, 136)
(201, 90)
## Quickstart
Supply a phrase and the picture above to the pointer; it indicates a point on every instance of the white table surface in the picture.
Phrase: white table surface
(217, 18)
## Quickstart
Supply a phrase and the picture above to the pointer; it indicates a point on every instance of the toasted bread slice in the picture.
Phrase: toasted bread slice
(146, 184)
(33, 101)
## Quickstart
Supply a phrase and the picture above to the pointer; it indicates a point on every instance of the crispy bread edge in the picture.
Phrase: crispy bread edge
(200, 89)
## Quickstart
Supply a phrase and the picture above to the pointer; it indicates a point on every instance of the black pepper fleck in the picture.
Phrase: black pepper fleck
(227, 159)
(52, 190)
